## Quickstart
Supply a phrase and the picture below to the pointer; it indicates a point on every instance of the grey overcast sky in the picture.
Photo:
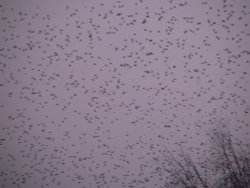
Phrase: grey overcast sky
(91, 91)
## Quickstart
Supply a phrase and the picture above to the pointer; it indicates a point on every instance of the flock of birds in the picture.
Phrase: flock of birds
(90, 91)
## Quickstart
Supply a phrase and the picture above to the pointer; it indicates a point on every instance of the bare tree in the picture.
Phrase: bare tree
(228, 164)
(230, 158)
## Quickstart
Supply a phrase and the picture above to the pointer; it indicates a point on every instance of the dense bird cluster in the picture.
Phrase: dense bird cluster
(90, 90)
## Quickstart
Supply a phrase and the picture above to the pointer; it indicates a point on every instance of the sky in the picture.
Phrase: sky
(92, 91)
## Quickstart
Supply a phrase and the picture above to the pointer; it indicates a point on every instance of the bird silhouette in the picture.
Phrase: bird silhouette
(90, 90)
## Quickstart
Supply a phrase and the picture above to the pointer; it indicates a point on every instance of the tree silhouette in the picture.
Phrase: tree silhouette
(227, 164)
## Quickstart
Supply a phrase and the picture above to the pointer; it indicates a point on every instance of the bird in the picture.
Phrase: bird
(90, 90)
